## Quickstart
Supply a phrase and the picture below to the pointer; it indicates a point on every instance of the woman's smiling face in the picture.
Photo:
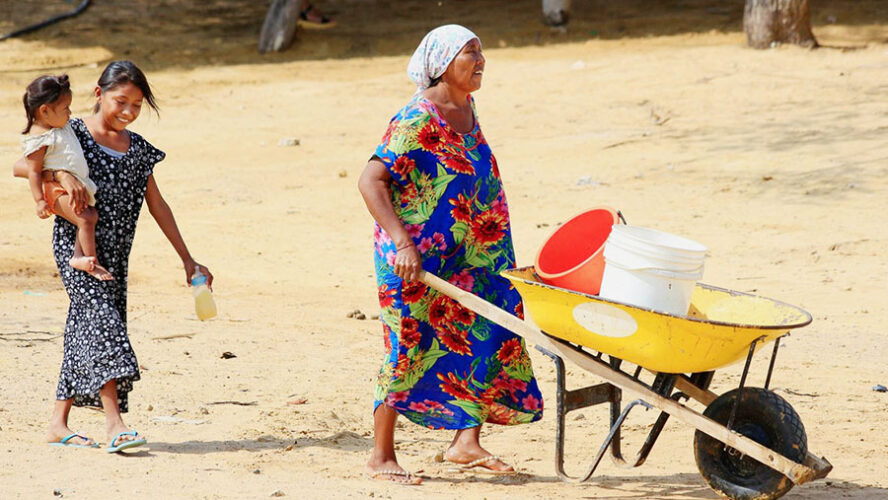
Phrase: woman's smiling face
(467, 68)
(120, 105)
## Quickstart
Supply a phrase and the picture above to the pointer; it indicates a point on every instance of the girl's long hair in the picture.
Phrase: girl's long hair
(118, 73)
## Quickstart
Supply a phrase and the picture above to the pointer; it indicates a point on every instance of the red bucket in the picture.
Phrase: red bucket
(573, 256)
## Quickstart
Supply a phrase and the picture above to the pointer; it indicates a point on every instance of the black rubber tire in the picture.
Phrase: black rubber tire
(765, 418)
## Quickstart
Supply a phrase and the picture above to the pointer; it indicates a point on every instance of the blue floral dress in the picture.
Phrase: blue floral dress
(445, 367)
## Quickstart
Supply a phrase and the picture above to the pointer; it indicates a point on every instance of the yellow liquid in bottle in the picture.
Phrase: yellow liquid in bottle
(204, 305)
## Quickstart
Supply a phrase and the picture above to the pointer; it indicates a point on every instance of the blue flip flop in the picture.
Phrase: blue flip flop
(66, 442)
(114, 447)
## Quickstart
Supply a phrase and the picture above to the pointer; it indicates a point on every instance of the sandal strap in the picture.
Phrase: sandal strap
(483, 460)
(404, 473)
(72, 436)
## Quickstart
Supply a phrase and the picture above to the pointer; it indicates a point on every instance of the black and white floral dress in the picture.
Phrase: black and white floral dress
(97, 348)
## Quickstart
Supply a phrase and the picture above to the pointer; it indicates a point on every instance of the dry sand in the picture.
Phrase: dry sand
(775, 159)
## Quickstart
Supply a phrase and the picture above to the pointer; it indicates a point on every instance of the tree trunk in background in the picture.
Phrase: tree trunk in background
(279, 27)
(781, 21)
(556, 12)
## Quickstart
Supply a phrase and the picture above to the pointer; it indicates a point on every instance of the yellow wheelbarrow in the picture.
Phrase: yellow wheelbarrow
(749, 442)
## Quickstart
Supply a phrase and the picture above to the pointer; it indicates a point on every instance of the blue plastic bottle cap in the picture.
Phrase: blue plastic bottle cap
(198, 279)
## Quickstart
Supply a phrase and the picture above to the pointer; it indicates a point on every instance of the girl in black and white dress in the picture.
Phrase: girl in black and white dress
(99, 365)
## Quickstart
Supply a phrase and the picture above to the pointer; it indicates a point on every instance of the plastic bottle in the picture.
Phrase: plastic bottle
(204, 304)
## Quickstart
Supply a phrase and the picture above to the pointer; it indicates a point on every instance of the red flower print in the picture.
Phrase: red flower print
(403, 166)
(424, 245)
(500, 414)
(430, 138)
(397, 397)
(519, 310)
(434, 405)
(499, 205)
(455, 340)
(463, 280)
(531, 403)
(459, 164)
(453, 138)
(509, 351)
(490, 395)
(489, 227)
(388, 132)
(418, 407)
(413, 230)
(403, 365)
(408, 193)
(438, 238)
(440, 311)
(462, 209)
(494, 166)
(386, 295)
(412, 291)
(463, 315)
(509, 385)
(410, 335)
(455, 387)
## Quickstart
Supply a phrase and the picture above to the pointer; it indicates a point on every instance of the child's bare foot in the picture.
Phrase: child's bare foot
(91, 266)
(101, 274)
(83, 263)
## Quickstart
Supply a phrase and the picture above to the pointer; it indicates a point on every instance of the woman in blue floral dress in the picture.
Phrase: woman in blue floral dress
(435, 191)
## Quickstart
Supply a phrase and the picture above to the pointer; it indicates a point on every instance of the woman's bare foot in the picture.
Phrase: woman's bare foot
(114, 432)
(477, 457)
(59, 432)
(389, 470)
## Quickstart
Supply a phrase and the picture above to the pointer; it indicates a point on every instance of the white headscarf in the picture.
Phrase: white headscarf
(435, 52)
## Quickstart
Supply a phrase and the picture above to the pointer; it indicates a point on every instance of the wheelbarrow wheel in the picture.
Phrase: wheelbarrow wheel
(765, 418)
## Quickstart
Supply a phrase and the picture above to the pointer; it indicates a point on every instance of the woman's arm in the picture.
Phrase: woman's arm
(163, 215)
(374, 186)
(34, 163)
(75, 189)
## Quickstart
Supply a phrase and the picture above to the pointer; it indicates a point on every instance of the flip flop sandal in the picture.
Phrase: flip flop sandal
(479, 465)
(114, 447)
(324, 23)
(66, 442)
(408, 477)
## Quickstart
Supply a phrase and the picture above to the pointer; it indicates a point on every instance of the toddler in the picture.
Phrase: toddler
(50, 145)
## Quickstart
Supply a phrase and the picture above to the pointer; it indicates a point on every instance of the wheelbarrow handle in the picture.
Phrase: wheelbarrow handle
(480, 306)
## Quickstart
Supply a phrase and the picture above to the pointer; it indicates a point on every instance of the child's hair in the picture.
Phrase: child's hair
(118, 73)
(44, 90)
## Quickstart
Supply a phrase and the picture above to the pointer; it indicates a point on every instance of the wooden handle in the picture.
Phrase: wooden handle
(480, 306)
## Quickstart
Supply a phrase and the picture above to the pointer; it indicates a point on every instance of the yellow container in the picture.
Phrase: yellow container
(717, 331)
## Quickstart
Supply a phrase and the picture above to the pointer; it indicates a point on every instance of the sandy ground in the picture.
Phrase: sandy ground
(774, 159)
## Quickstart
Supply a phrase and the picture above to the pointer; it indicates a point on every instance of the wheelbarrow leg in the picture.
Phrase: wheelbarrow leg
(663, 385)
(567, 401)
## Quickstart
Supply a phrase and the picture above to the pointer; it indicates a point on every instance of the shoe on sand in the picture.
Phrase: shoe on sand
(66, 442)
(114, 447)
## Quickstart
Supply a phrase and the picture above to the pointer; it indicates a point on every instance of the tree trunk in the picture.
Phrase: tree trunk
(279, 27)
(556, 12)
(780, 21)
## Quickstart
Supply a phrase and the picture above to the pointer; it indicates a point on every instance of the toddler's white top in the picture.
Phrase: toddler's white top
(63, 152)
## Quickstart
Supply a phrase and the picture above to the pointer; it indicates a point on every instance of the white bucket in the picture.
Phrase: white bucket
(651, 269)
